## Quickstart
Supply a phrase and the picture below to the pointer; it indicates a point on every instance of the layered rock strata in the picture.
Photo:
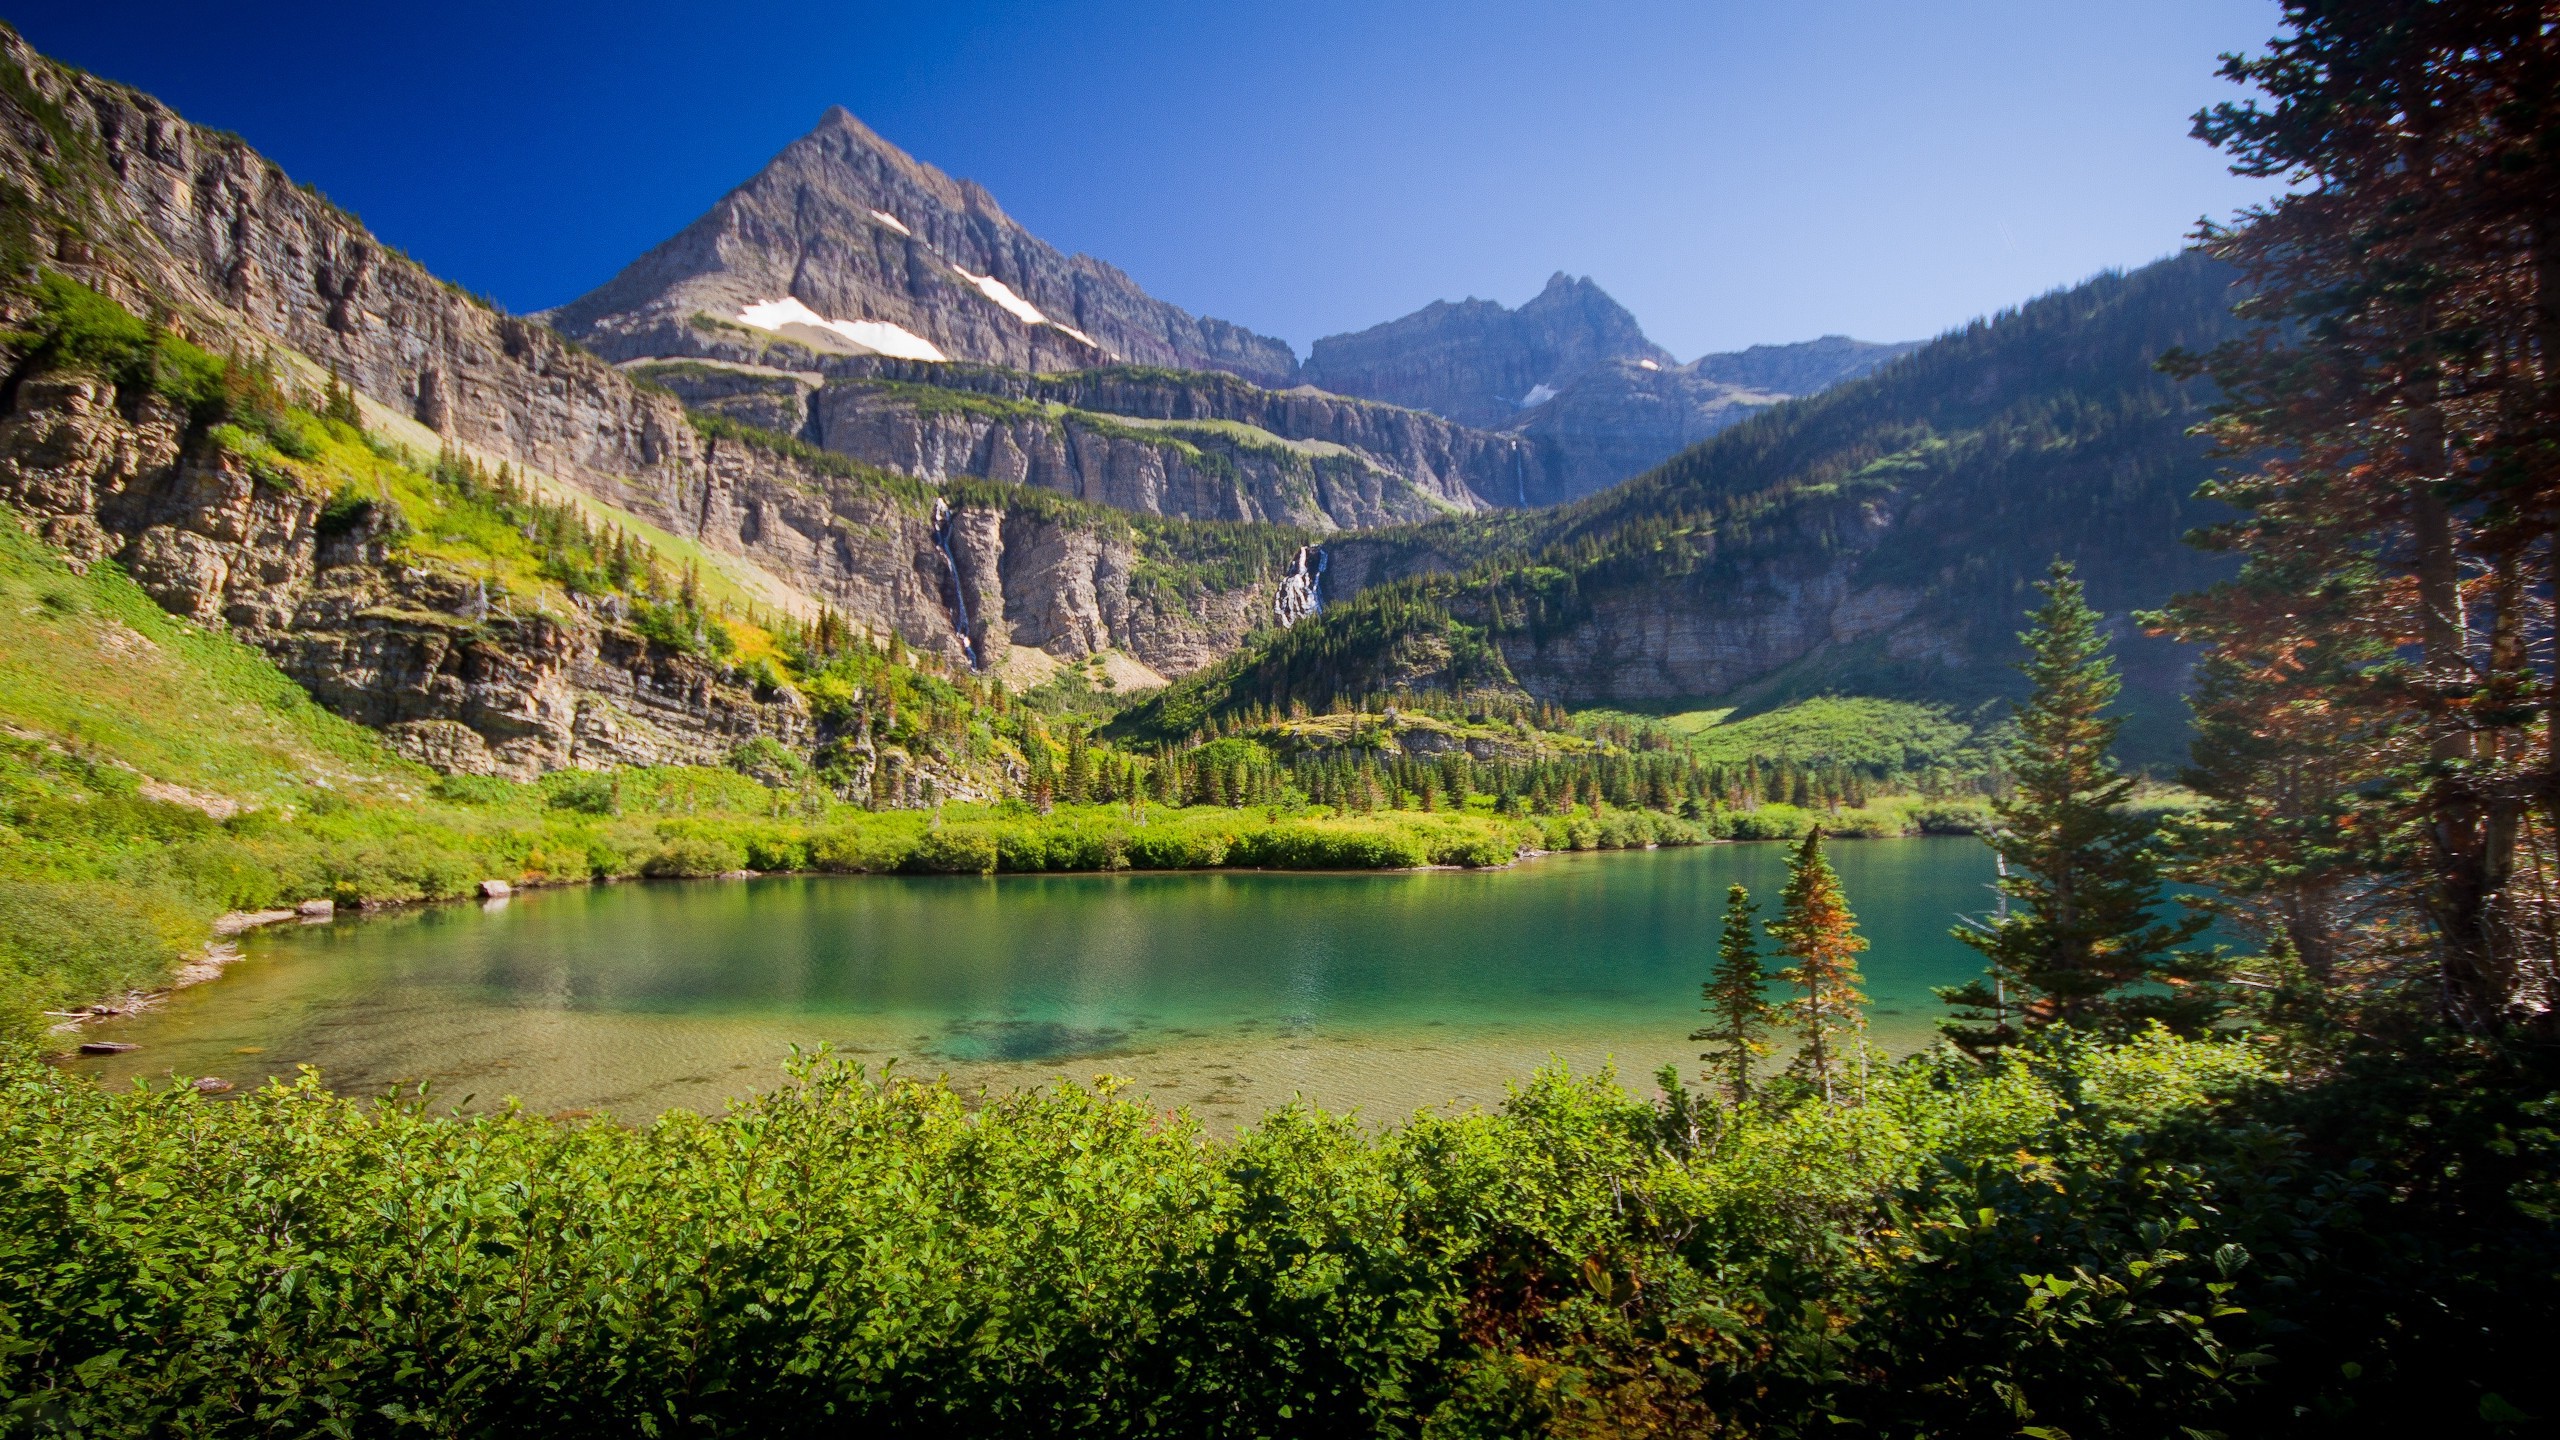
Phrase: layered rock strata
(115, 190)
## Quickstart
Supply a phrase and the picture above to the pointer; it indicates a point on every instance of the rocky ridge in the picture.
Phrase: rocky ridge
(1160, 442)
(845, 243)
(1572, 374)
(1879, 538)
(1478, 362)
(114, 189)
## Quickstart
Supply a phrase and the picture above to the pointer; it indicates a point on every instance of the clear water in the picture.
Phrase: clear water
(1225, 993)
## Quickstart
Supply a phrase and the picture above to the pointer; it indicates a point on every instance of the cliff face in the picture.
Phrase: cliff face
(1478, 363)
(417, 653)
(1571, 374)
(1807, 367)
(1880, 538)
(1189, 445)
(421, 652)
(906, 261)
(1621, 419)
(114, 189)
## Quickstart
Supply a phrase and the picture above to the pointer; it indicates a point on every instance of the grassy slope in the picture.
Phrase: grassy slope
(125, 733)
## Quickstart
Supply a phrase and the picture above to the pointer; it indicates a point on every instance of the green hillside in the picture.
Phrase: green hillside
(1953, 477)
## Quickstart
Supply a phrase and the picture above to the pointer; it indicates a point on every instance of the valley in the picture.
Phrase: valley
(867, 824)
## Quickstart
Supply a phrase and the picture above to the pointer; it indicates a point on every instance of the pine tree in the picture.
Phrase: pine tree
(1815, 929)
(2078, 944)
(1078, 779)
(2395, 403)
(1741, 1016)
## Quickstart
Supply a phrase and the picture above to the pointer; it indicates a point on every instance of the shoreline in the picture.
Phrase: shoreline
(222, 951)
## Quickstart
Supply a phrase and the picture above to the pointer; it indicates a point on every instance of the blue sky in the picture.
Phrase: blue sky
(1733, 172)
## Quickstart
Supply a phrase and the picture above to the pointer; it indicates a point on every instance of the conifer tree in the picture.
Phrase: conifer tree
(2077, 944)
(1741, 1017)
(1816, 930)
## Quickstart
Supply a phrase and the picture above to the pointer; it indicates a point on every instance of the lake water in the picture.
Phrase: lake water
(1224, 992)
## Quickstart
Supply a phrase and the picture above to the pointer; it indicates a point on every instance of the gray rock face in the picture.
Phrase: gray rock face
(1622, 418)
(170, 219)
(1481, 364)
(1804, 368)
(857, 230)
(1572, 374)
(1166, 444)
(1197, 446)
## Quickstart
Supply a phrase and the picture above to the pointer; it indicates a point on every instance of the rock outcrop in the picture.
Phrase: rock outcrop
(1807, 367)
(1192, 445)
(1477, 362)
(119, 192)
(846, 243)
(1572, 374)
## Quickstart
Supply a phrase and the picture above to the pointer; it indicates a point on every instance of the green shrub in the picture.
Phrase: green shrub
(694, 855)
(843, 1253)
(477, 790)
(1952, 817)
(955, 850)
(1769, 822)
(587, 792)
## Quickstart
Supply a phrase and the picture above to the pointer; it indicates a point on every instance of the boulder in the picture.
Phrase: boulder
(495, 890)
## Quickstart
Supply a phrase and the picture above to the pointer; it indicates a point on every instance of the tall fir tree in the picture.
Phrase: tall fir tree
(1816, 930)
(2078, 944)
(1740, 1015)
(2395, 412)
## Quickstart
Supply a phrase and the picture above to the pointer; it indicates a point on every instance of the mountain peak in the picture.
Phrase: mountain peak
(1479, 362)
(845, 243)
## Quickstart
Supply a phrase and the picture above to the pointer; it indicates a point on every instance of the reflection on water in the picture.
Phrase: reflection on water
(1225, 992)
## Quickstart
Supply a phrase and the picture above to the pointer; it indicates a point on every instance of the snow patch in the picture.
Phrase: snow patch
(893, 222)
(1538, 395)
(1648, 365)
(1078, 334)
(1001, 293)
(877, 337)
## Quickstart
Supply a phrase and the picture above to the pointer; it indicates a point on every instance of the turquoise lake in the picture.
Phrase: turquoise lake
(1225, 992)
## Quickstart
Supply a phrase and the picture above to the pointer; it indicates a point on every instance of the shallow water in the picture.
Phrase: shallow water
(1223, 992)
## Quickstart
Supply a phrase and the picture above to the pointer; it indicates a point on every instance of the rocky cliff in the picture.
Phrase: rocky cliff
(1621, 418)
(1807, 367)
(112, 188)
(847, 244)
(1879, 538)
(1476, 361)
(1159, 442)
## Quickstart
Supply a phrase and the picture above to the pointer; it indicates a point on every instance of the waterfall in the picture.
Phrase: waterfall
(1300, 590)
(942, 517)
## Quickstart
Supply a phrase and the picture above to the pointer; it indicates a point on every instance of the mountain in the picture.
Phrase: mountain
(847, 244)
(1572, 373)
(1479, 363)
(1618, 419)
(229, 507)
(1879, 538)
(1807, 367)
(1189, 444)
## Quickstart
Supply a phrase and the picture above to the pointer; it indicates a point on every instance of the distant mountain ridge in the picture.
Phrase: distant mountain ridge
(849, 245)
(1572, 371)
(1478, 362)
(1878, 538)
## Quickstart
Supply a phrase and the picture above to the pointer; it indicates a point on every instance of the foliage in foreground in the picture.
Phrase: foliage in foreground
(2095, 1240)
